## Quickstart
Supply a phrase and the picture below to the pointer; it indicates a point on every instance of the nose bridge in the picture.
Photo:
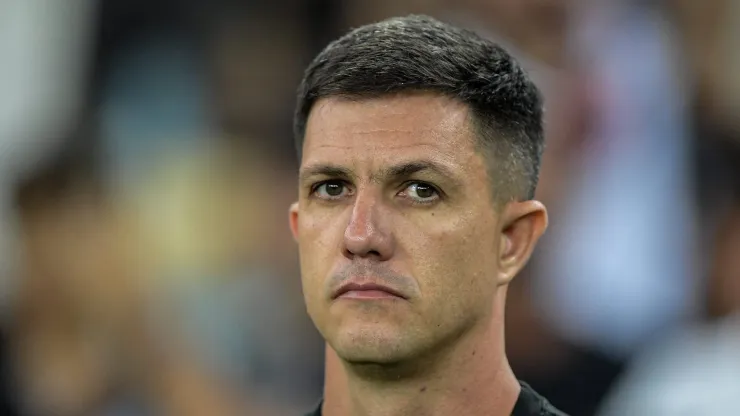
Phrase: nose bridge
(365, 233)
(362, 223)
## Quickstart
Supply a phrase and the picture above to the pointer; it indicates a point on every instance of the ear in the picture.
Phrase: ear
(293, 219)
(523, 223)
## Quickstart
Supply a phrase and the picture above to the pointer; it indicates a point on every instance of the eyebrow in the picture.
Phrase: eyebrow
(405, 170)
(327, 170)
(400, 171)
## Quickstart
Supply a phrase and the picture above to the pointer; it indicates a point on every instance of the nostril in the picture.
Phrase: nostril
(371, 253)
(348, 254)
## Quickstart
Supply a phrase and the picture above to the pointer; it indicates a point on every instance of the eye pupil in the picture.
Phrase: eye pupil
(424, 191)
(334, 189)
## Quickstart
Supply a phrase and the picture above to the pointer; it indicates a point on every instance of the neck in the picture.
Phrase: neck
(472, 378)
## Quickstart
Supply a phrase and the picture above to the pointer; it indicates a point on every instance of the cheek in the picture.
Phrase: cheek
(319, 243)
(453, 257)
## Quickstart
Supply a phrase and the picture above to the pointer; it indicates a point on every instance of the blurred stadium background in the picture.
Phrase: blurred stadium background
(147, 163)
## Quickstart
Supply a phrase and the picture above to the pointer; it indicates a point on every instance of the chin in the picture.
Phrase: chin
(372, 346)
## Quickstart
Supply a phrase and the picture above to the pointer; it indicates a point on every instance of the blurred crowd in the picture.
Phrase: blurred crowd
(147, 164)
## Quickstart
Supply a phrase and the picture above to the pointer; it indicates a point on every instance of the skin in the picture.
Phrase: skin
(408, 204)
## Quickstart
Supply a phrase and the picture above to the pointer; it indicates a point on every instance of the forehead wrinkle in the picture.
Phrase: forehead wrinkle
(448, 149)
(397, 146)
(443, 126)
(382, 131)
(445, 157)
(416, 107)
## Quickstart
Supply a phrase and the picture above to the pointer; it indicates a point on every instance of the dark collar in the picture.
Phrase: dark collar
(529, 403)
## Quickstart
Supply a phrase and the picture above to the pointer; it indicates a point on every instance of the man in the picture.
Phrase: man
(420, 145)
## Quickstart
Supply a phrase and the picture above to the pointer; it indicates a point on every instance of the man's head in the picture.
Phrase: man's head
(420, 145)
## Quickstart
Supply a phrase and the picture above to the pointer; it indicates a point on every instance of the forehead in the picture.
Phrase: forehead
(414, 125)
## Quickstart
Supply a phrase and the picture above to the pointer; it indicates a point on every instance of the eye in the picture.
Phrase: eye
(421, 193)
(333, 189)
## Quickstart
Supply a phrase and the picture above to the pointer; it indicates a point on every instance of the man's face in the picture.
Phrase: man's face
(394, 197)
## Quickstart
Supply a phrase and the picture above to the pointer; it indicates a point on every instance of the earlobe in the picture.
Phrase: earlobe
(523, 223)
(293, 219)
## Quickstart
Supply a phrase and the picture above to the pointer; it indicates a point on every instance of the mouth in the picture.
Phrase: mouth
(366, 291)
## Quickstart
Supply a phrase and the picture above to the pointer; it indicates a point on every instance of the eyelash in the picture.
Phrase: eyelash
(438, 194)
(318, 185)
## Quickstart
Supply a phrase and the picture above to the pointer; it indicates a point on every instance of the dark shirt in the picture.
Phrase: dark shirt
(529, 403)
(579, 386)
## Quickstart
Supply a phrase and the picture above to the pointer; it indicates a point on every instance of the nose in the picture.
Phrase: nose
(368, 234)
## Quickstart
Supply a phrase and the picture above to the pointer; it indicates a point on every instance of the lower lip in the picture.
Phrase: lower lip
(368, 294)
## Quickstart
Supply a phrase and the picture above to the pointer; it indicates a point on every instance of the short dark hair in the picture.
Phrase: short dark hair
(419, 53)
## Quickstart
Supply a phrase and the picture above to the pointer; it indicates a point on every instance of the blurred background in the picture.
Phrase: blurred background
(147, 163)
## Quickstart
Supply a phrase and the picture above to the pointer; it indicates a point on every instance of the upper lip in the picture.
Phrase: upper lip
(355, 286)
